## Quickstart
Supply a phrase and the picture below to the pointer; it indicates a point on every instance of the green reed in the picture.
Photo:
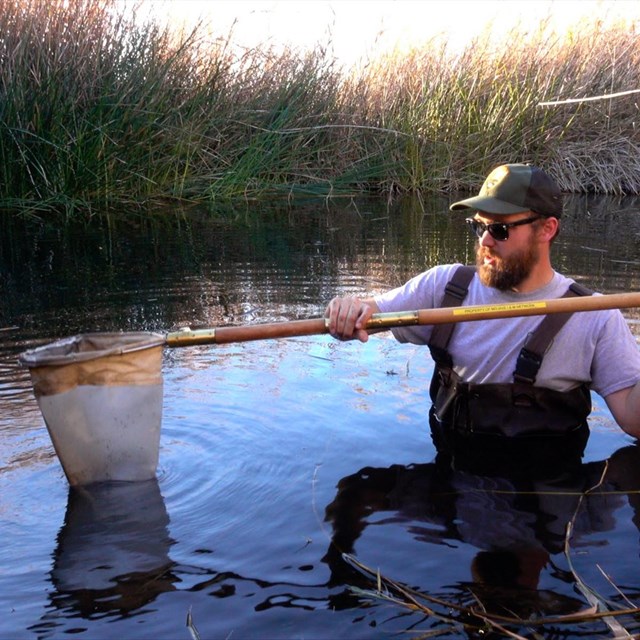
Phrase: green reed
(99, 111)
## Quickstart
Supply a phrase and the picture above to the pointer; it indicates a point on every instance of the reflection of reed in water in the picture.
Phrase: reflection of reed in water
(112, 555)
(516, 524)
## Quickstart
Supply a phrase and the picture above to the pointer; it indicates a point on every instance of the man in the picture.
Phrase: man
(511, 377)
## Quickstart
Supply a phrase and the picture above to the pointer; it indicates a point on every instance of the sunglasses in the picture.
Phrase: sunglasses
(497, 230)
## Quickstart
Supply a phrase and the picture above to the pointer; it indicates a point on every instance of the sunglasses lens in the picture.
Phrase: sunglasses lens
(498, 231)
(477, 228)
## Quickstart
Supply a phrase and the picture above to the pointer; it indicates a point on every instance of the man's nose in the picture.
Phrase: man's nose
(486, 239)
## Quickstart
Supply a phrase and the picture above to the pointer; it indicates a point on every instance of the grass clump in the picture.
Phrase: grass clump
(99, 110)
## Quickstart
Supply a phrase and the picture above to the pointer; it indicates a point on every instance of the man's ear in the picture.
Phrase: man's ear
(549, 228)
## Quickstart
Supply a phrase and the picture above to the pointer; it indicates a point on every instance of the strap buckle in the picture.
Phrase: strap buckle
(527, 366)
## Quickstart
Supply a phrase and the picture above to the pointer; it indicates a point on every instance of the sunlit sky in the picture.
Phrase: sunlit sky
(360, 28)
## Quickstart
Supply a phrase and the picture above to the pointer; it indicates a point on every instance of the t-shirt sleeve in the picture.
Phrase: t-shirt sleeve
(616, 362)
(424, 291)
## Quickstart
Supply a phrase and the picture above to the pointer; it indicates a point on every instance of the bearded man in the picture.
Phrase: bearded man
(524, 379)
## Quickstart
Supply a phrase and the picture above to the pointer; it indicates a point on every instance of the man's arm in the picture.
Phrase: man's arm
(625, 408)
(348, 317)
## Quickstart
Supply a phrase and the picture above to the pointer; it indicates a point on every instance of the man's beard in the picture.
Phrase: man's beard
(506, 273)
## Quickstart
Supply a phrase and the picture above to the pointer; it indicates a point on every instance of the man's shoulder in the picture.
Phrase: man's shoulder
(444, 272)
(561, 283)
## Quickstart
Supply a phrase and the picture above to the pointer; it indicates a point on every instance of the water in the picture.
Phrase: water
(277, 456)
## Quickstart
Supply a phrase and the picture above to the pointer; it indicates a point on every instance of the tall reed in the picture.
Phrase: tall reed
(100, 110)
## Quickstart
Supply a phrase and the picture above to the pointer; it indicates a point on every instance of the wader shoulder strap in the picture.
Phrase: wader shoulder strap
(537, 343)
(454, 294)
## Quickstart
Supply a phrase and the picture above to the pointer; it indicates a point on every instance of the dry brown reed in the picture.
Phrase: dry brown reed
(99, 110)
(471, 111)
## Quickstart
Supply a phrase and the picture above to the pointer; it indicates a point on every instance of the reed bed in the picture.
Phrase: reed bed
(99, 110)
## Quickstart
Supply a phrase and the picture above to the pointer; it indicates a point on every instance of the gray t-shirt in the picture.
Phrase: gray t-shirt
(593, 347)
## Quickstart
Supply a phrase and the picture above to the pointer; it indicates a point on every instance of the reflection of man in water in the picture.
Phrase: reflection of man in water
(516, 522)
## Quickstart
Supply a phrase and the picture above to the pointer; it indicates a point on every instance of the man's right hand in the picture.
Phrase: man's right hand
(349, 316)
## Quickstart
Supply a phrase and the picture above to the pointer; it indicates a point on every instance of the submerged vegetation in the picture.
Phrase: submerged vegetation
(99, 110)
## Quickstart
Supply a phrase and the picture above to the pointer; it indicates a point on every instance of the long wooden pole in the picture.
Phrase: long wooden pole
(316, 326)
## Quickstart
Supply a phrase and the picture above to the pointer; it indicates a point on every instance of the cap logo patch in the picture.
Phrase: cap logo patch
(494, 178)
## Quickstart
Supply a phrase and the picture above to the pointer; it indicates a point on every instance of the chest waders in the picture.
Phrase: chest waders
(466, 413)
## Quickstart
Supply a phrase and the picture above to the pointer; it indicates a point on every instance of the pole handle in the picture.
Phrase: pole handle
(317, 326)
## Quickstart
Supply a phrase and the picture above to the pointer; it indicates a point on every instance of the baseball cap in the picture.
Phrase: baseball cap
(515, 188)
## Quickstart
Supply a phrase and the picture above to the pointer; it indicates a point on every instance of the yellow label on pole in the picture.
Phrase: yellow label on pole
(499, 308)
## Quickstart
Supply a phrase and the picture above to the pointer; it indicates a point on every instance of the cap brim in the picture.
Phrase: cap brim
(487, 204)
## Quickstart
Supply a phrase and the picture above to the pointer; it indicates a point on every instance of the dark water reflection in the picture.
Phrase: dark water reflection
(278, 456)
(112, 554)
(515, 528)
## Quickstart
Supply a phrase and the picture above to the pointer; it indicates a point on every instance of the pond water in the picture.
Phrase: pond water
(276, 457)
